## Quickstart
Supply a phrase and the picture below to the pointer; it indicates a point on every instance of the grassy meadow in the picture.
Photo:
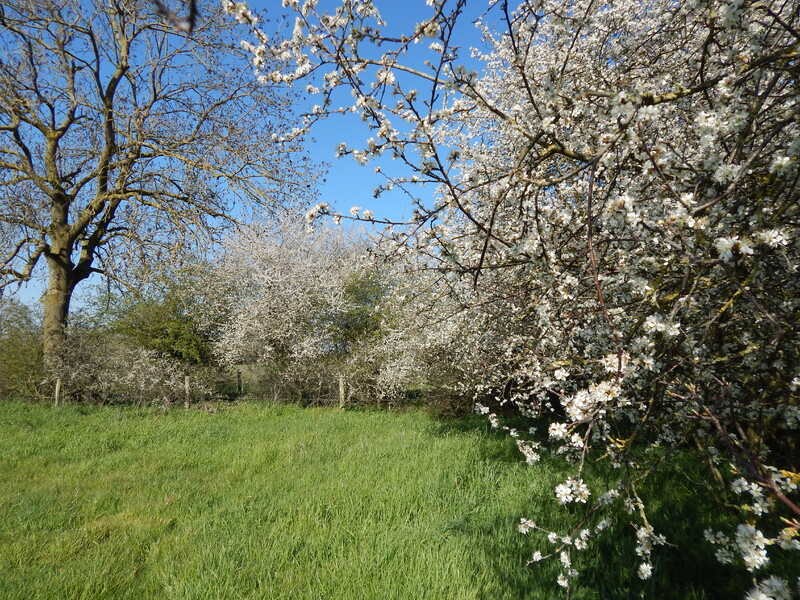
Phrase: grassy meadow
(265, 501)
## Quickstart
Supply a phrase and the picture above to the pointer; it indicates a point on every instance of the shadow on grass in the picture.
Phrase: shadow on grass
(677, 507)
(686, 568)
(492, 445)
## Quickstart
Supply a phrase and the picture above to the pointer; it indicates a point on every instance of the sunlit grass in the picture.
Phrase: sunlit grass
(276, 502)
(255, 502)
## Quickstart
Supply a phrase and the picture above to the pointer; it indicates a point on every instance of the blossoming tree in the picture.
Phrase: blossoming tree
(302, 303)
(618, 194)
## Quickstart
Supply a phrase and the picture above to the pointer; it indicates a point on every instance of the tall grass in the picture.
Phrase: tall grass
(278, 502)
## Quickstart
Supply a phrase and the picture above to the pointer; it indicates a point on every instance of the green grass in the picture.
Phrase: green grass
(278, 502)
(255, 502)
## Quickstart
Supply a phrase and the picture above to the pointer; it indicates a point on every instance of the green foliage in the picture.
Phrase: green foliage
(158, 312)
(361, 321)
(162, 324)
(20, 350)
(356, 332)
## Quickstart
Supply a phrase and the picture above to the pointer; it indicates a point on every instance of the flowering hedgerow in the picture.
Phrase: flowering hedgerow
(615, 235)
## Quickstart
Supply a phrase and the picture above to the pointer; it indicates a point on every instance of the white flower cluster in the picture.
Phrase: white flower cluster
(572, 490)
(587, 403)
(525, 525)
(772, 588)
(323, 208)
(240, 11)
(529, 450)
(749, 544)
(558, 431)
(646, 538)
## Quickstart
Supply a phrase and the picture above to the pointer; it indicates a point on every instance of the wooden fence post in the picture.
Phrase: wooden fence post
(238, 382)
(187, 391)
(341, 391)
(58, 391)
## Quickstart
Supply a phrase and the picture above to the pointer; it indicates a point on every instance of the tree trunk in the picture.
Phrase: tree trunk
(55, 301)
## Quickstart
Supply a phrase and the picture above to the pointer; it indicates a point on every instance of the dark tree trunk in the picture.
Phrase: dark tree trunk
(56, 302)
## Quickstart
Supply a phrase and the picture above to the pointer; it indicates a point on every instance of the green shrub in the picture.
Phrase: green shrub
(20, 350)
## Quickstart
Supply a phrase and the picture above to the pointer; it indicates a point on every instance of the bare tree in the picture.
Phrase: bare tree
(123, 138)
